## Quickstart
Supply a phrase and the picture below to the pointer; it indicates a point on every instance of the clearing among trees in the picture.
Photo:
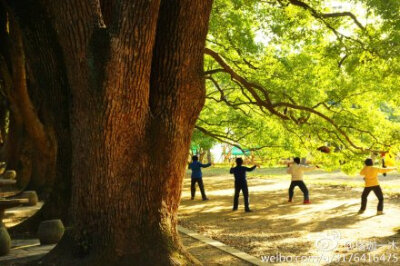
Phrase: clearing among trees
(293, 229)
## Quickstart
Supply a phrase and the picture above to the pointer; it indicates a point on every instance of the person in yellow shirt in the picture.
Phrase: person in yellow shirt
(387, 159)
(370, 174)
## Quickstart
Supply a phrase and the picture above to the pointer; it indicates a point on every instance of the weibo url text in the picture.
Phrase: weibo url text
(351, 258)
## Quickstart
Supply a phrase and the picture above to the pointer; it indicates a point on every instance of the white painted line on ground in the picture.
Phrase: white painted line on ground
(234, 252)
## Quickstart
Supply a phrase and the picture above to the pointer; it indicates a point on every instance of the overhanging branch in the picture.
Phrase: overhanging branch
(254, 88)
(318, 14)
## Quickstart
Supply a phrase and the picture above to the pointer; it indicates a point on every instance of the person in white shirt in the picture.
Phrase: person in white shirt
(297, 171)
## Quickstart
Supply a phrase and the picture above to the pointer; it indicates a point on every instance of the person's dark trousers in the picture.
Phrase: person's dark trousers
(301, 185)
(241, 186)
(201, 186)
(383, 166)
(378, 192)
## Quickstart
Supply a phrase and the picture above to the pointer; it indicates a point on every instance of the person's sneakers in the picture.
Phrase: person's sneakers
(290, 200)
(192, 198)
(205, 199)
(248, 210)
(307, 202)
(361, 211)
(234, 209)
(379, 213)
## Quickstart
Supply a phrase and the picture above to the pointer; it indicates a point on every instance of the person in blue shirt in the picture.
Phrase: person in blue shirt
(197, 177)
(239, 173)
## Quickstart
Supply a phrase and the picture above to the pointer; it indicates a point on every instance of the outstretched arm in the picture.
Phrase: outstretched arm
(308, 168)
(385, 170)
(251, 168)
(205, 165)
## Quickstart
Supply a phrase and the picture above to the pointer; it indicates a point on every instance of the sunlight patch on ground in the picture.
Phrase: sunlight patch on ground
(288, 228)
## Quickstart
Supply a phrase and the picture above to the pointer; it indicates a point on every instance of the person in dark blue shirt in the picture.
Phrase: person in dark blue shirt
(197, 177)
(239, 173)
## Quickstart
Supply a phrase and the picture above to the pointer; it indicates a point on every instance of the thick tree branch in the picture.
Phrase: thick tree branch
(322, 17)
(223, 98)
(318, 14)
(323, 116)
(344, 14)
(214, 71)
(254, 88)
(232, 142)
(251, 87)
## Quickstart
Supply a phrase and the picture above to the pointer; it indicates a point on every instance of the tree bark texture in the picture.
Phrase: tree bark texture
(135, 75)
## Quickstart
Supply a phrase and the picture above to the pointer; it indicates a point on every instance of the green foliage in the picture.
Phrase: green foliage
(201, 141)
(348, 74)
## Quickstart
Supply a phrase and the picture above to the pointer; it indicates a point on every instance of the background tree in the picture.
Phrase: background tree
(307, 69)
(50, 96)
(201, 145)
(29, 140)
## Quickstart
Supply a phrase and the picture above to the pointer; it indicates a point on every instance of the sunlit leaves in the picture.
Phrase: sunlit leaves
(346, 73)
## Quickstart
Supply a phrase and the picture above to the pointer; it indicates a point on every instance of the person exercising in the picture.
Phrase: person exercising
(197, 177)
(370, 174)
(239, 172)
(297, 171)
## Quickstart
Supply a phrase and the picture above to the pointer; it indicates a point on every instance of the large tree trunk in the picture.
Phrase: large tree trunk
(137, 89)
(50, 95)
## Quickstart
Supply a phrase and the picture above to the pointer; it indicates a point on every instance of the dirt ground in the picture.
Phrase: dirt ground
(328, 231)
(208, 255)
(205, 253)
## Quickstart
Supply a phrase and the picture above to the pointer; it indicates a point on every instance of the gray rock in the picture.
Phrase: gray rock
(50, 231)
